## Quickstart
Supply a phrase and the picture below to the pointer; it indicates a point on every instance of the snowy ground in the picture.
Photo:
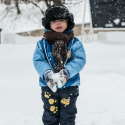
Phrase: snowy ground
(102, 90)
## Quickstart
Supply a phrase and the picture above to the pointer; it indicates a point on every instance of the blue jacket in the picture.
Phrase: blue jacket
(76, 59)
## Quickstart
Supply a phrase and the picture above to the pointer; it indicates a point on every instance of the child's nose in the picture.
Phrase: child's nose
(58, 22)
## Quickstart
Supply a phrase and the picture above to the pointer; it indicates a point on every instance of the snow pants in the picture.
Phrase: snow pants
(59, 107)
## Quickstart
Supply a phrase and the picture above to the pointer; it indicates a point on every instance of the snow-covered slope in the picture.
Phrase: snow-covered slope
(30, 17)
(101, 100)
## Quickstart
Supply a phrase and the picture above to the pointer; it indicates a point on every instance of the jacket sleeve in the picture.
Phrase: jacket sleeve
(39, 60)
(78, 59)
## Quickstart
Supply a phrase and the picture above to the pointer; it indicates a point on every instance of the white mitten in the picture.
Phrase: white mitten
(63, 77)
(49, 75)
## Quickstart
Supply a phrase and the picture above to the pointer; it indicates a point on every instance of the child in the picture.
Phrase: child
(58, 59)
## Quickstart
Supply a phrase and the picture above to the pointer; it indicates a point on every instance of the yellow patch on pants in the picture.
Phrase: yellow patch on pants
(51, 101)
(65, 101)
(47, 95)
(53, 109)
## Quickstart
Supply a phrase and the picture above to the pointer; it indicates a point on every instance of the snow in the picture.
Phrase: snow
(123, 23)
(109, 25)
(56, 77)
(101, 99)
(117, 21)
(30, 18)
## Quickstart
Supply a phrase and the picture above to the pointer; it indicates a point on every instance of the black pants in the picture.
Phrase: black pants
(59, 107)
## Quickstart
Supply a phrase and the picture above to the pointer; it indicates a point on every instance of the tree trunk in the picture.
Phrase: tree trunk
(17, 6)
(55, 2)
(48, 3)
(1, 1)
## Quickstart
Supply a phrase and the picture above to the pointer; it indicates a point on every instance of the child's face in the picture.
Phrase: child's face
(58, 25)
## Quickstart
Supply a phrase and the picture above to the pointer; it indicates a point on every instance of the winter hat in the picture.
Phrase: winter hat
(56, 12)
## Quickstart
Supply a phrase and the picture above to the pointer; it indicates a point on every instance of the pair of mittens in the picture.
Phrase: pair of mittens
(56, 79)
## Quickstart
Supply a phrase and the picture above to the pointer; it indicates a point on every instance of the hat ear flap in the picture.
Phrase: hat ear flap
(43, 21)
(71, 17)
(70, 20)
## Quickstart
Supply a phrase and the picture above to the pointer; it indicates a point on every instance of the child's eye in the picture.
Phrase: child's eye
(61, 19)
(53, 21)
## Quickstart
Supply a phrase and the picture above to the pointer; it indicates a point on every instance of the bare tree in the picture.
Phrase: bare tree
(7, 2)
(1, 1)
(58, 2)
(35, 4)
(26, 1)
(55, 2)
(48, 3)
(17, 6)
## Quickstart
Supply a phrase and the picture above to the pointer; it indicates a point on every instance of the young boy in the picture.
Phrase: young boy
(58, 59)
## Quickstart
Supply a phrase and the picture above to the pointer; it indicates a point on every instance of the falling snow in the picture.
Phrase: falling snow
(123, 23)
(108, 25)
(104, 10)
(117, 21)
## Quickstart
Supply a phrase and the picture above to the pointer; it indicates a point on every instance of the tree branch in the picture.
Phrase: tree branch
(36, 6)
(48, 5)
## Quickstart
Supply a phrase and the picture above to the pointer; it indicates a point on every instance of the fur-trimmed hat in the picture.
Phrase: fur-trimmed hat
(56, 12)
